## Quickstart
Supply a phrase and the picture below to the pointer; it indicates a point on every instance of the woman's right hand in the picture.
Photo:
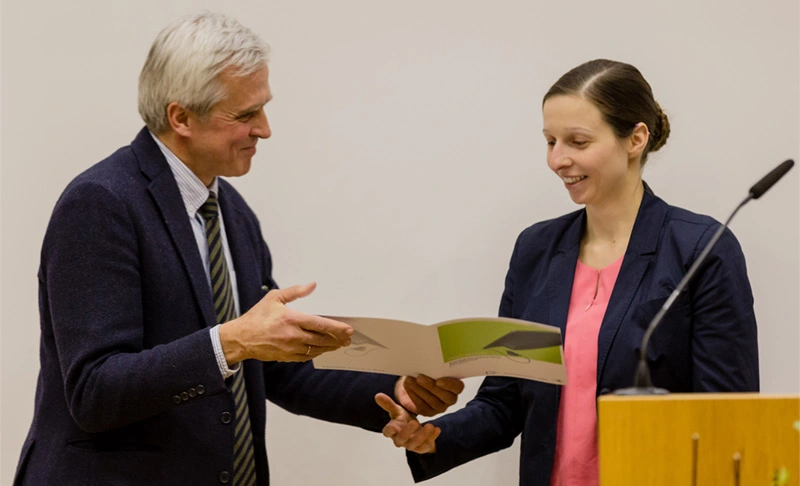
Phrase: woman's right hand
(405, 430)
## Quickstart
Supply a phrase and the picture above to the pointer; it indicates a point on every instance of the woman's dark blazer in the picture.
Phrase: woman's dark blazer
(707, 342)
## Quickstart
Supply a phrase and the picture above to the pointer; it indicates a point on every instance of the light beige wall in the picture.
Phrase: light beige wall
(406, 157)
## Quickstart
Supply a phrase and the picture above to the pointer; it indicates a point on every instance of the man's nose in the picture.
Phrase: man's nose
(261, 127)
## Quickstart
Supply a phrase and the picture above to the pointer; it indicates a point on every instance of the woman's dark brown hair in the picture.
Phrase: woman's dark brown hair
(621, 94)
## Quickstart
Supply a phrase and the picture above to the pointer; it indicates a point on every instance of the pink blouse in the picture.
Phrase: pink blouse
(576, 438)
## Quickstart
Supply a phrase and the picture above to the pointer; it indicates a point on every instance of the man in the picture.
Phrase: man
(163, 332)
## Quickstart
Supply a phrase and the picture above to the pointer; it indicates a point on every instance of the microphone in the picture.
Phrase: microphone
(642, 385)
(762, 186)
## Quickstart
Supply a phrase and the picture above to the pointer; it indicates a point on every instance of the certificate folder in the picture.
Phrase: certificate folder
(459, 348)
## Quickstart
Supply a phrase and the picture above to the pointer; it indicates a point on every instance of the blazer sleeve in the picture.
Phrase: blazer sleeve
(488, 423)
(724, 337)
(344, 397)
(91, 283)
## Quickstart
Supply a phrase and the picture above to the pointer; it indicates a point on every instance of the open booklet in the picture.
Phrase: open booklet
(459, 348)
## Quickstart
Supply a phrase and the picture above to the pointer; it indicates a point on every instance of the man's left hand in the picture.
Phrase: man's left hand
(425, 396)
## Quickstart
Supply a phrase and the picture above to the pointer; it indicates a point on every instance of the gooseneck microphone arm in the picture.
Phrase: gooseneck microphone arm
(642, 384)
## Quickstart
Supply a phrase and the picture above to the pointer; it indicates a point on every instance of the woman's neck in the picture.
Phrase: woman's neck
(609, 226)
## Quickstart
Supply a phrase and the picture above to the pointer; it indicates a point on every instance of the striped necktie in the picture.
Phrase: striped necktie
(244, 466)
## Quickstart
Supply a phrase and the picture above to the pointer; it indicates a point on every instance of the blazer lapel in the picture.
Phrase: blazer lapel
(242, 253)
(562, 272)
(164, 191)
(641, 247)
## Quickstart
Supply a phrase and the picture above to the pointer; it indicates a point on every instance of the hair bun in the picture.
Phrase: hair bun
(661, 130)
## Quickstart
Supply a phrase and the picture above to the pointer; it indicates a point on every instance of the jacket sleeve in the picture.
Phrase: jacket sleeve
(344, 397)
(724, 336)
(90, 290)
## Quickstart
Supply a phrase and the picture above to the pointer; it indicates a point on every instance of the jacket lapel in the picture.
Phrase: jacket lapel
(164, 191)
(242, 253)
(562, 272)
(641, 247)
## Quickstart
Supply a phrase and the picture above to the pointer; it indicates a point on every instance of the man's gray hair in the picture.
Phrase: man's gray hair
(186, 60)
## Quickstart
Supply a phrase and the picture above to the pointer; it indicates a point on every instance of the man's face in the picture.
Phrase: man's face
(223, 142)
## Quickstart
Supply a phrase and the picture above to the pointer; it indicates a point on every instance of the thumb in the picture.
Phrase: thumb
(385, 402)
(294, 292)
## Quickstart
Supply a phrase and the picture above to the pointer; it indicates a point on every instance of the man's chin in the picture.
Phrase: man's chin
(238, 171)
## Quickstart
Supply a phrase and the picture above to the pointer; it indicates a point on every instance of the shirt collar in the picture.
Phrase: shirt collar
(193, 192)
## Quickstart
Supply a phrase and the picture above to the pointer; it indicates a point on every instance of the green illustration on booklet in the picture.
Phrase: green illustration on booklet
(491, 338)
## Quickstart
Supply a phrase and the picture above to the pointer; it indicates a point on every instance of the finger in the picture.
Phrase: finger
(393, 428)
(444, 397)
(338, 331)
(422, 436)
(423, 401)
(315, 351)
(401, 438)
(423, 439)
(385, 402)
(319, 339)
(430, 445)
(289, 294)
(453, 385)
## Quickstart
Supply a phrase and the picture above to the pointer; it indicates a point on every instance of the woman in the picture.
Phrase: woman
(601, 274)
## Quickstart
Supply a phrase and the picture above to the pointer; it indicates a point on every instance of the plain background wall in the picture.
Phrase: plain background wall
(406, 156)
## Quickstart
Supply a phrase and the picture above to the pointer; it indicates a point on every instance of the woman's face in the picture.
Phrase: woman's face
(582, 149)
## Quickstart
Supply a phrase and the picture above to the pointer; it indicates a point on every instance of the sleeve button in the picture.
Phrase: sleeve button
(184, 396)
(201, 389)
(192, 392)
(176, 399)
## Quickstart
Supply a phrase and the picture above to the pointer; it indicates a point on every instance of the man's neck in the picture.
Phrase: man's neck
(177, 146)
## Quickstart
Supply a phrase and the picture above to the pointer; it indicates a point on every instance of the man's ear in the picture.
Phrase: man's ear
(178, 117)
(637, 141)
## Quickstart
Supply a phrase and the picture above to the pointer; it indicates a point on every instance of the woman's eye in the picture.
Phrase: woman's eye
(579, 143)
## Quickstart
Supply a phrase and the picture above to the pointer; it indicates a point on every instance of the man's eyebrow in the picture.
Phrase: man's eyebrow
(255, 107)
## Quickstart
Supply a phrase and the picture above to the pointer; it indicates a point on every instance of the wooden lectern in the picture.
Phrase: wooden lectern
(699, 439)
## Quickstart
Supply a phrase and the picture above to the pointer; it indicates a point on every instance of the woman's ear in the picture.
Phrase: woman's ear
(637, 141)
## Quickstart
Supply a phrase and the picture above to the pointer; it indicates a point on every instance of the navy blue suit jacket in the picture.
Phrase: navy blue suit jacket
(129, 390)
(706, 342)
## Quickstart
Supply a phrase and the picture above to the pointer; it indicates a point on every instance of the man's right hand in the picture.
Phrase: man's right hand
(270, 331)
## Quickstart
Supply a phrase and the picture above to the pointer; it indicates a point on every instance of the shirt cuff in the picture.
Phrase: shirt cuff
(220, 355)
